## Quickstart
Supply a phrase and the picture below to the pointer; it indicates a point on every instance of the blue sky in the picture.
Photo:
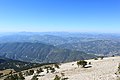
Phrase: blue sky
(60, 15)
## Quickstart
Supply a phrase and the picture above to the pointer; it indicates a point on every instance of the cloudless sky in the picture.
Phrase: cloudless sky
(60, 15)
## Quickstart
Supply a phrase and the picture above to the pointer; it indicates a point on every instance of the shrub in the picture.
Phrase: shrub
(27, 73)
(102, 57)
(119, 68)
(47, 70)
(56, 66)
(62, 74)
(52, 70)
(20, 77)
(89, 63)
(113, 55)
(57, 77)
(1, 74)
(65, 78)
(82, 63)
(10, 78)
(31, 72)
(15, 77)
(39, 71)
(95, 58)
(34, 77)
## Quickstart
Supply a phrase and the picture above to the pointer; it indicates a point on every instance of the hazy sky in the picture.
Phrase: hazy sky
(60, 15)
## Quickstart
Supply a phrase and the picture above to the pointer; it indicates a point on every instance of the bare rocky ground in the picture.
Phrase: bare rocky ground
(101, 70)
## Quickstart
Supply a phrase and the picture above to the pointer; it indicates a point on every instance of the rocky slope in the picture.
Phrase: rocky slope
(101, 70)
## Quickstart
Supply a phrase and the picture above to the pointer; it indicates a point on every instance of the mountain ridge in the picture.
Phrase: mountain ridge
(39, 52)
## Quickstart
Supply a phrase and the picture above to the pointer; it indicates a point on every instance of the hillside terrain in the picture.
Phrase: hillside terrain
(41, 53)
(101, 70)
(99, 47)
(26, 51)
(16, 65)
(100, 44)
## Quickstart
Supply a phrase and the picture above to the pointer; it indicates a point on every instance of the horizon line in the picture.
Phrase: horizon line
(58, 32)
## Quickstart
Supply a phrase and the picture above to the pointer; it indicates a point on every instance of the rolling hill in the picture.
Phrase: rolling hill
(39, 52)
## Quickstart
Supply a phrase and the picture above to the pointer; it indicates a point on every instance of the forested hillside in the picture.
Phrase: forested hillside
(6, 63)
(38, 52)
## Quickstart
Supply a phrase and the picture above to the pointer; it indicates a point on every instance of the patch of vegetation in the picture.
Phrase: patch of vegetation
(82, 63)
(56, 66)
(101, 57)
(29, 72)
(39, 70)
(29, 52)
(34, 77)
(57, 77)
(89, 63)
(60, 78)
(52, 70)
(18, 76)
(18, 65)
(119, 68)
(95, 58)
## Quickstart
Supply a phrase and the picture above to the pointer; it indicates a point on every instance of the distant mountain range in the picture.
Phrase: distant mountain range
(39, 52)
(56, 38)
(98, 47)
(93, 43)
